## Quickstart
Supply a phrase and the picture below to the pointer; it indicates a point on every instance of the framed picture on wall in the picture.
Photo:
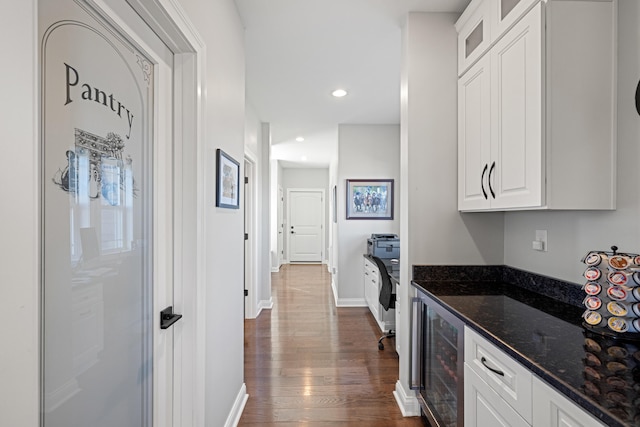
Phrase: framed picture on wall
(227, 181)
(370, 199)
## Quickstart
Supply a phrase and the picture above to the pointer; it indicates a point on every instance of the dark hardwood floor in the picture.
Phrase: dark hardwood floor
(308, 363)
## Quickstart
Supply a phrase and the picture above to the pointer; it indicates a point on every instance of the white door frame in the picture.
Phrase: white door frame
(169, 22)
(280, 219)
(323, 220)
(251, 228)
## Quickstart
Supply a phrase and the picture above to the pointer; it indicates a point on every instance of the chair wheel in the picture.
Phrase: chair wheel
(380, 346)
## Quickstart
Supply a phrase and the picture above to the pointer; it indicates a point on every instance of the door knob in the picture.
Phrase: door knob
(168, 317)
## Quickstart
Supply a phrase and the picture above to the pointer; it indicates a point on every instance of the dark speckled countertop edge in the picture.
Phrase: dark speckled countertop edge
(570, 392)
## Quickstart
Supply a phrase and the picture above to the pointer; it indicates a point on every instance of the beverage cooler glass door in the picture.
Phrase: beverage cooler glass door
(438, 366)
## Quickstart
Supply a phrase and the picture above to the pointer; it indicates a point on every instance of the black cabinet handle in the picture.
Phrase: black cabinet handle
(493, 166)
(168, 317)
(484, 192)
(495, 371)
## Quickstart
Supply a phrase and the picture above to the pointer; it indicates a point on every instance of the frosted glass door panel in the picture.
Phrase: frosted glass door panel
(97, 94)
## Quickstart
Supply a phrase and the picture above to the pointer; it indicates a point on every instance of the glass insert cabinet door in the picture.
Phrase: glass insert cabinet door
(97, 99)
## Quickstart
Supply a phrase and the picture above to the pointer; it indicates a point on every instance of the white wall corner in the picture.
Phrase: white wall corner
(238, 406)
(335, 291)
(264, 305)
(407, 401)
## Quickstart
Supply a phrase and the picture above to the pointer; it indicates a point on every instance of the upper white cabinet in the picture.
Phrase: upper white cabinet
(474, 36)
(508, 12)
(537, 108)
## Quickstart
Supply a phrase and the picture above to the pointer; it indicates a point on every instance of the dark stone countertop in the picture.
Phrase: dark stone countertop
(599, 373)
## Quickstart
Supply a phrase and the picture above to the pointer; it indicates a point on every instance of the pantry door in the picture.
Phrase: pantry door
(107, 228)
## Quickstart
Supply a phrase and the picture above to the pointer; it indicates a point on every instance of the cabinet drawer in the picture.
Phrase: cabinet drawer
(503, 374)
(370, 268)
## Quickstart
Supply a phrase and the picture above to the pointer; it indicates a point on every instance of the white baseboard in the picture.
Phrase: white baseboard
(238, 406)
(346, 302)
(351, 302)
(264, 305)
(275, 269)
(407, 402)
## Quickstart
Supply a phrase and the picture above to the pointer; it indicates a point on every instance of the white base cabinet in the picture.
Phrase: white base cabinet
(386, 319)
(483, 407)
(499, 391)
(552, 409)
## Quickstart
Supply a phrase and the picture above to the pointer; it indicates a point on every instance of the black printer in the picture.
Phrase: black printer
(384, 246)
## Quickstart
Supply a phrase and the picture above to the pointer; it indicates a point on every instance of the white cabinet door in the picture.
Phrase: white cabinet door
(483, 407)
(474, 137)
(551, 409)
(516, 171)
(473, 29)
(506, 13)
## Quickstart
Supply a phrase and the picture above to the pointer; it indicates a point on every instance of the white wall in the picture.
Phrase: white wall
(19, 257)
(572, 233)
(257, 146)
(432, 229)
(307, 178)
(222, 31)
(364, 152)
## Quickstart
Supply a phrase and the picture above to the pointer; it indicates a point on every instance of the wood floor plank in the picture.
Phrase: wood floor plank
(309, 363)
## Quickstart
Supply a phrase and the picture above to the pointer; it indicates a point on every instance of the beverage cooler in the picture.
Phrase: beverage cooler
(437, 365)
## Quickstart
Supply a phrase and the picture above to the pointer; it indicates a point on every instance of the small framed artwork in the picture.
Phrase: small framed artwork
(227, 181)
(369, 199)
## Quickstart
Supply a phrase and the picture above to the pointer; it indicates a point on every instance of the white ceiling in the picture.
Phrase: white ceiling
(299, 51)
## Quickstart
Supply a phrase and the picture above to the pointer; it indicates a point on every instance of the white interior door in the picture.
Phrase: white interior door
(107, 218)
(306, 218)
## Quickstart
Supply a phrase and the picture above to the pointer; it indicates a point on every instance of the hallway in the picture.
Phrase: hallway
(310, 363)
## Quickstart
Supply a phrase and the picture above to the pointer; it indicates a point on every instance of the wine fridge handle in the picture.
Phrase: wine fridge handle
(416, 344)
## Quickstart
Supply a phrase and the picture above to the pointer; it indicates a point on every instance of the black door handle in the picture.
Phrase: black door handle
(168, 317)
(484, 192)
(493, 166)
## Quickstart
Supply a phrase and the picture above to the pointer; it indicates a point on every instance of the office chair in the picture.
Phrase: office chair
(386, 298)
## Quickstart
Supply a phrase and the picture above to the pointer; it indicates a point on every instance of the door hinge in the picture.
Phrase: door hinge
(246, 236)
(246, 292)
(246, 179)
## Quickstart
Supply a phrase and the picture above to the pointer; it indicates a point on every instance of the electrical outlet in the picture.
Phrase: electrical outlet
(540, 243)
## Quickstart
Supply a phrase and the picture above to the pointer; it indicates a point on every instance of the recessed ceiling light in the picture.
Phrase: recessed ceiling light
(303, 158)
(339, 93)
(299, 139)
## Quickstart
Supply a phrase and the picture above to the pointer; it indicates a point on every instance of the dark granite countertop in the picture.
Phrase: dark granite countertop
(599, 373)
